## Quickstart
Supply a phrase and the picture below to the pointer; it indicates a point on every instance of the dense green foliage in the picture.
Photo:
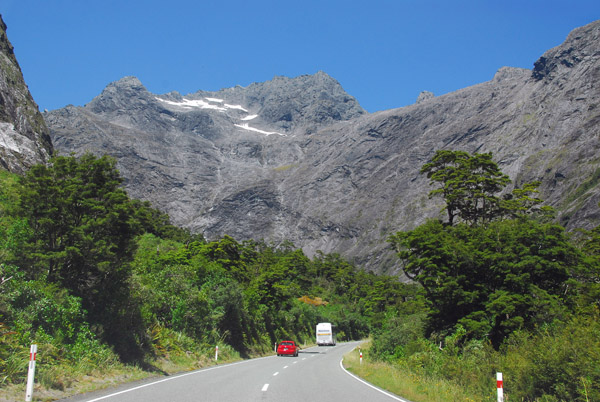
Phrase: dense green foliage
(492, 279)
(82, 236)
(502, 287)
(251, 295)
(93, 276)
(467, 184)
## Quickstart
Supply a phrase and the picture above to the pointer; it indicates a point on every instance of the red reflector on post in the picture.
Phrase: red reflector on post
(499, 385)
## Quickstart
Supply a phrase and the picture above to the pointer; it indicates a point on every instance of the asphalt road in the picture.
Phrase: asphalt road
(315, 375)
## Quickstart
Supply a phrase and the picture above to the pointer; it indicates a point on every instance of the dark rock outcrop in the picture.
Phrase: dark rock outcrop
(24, 136)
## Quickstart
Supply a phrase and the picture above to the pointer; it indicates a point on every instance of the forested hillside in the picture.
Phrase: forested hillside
(506, 289)
(97, 279)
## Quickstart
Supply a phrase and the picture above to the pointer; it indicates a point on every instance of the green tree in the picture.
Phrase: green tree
(468, 184)
(587, 278)
(83, 236)
(492, 280)
(158, 223)
(498, 269)
(230, 255)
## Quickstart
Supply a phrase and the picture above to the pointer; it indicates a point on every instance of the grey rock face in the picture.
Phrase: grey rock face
(298, 159)
(424, 96)
(209, 154)
(24, 136)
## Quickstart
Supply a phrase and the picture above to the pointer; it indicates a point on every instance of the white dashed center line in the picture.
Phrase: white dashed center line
(265, 387)
(275, 374)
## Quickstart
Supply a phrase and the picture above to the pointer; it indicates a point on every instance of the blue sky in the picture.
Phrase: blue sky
(384, 53)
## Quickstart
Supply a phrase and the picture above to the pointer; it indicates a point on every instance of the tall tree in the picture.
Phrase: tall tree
(83, 231)
(468, 184)
(491, 279)
(489, 275)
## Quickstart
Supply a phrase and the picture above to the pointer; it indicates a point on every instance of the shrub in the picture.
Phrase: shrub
(560, 361)
(399, 337)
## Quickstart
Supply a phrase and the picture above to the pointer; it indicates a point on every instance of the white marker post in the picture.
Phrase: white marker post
(217, 353)
(31, 373)
(360, 351)
(500, 386)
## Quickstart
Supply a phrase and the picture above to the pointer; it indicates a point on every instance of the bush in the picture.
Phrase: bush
(399, 337)
(560, 361)
(31, 306)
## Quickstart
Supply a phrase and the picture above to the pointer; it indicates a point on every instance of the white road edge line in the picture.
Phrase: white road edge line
(265, 387)
(371, 385)
(174, 378)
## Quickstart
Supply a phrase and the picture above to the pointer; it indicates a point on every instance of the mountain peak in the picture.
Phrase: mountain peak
(308, 100)
(128, 82)
(118, 94)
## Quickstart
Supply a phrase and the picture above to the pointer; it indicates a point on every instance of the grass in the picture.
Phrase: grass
(61, 381)
(529, 117)
(284, 168)
(404, 383)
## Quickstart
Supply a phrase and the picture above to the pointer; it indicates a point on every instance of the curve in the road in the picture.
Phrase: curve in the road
(397, 398)
(314, 376)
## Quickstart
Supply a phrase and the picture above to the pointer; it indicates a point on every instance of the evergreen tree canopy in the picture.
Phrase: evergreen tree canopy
(468, 184)
(492, 280)
(489, 275)
(83, 231)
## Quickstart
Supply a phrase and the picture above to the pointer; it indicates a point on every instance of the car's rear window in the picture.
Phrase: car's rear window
(287, 343)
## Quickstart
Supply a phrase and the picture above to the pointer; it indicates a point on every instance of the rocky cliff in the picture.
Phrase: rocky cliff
(24, 136)
(298, 159)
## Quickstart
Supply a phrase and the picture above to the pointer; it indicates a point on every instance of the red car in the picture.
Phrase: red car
(287, 348)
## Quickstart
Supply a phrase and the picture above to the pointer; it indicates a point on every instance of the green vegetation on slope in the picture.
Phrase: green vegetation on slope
(505, 291)
(105, 284)
(98, 280)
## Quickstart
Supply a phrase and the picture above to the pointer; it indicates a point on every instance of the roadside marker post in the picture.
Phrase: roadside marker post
(500, 386)
(31, 373)
(360, 351)
(217, 353)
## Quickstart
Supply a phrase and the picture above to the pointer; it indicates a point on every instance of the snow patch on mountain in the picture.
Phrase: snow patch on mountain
(239, 107)
(245, 126)
(221, 106)
(193, 104)
(206, 103)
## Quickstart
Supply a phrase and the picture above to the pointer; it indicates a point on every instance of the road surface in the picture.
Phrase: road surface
(315, 375)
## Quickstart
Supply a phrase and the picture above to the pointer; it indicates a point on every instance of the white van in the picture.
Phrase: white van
(325, 334)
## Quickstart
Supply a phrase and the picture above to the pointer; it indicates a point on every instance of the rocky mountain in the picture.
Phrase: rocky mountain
(298, 159)
(24, 136)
